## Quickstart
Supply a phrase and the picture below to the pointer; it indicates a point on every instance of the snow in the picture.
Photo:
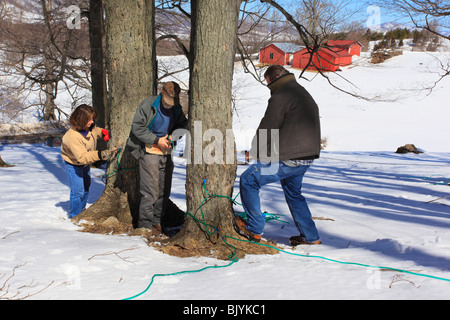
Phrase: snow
(373, 207)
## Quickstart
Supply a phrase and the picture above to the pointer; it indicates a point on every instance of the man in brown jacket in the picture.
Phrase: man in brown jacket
(286, 143)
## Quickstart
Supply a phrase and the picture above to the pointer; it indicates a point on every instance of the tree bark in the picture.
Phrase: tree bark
(49, 103)
(213, 45)
(130, 61)
(98, 72)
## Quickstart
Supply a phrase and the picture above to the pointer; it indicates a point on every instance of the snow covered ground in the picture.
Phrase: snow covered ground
(374, 208)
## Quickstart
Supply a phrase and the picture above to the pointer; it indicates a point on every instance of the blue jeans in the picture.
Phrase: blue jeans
(79, 182)
(291, 179)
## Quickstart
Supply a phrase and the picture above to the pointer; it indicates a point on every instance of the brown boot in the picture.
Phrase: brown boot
(297, 240)
(241, 228)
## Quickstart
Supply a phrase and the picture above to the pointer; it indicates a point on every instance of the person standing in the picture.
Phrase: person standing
(78, 150)
(294, 115)
(150, 142)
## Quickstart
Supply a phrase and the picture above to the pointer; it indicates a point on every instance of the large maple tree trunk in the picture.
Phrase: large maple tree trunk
(131, 78)
(213, 43)
(98, 71)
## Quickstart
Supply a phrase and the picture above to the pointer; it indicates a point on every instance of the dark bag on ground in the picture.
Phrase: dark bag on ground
(173, 219)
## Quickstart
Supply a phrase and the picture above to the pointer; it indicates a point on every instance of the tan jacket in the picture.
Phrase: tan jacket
(79, 150)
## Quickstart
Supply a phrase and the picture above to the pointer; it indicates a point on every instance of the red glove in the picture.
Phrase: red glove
(105, 135)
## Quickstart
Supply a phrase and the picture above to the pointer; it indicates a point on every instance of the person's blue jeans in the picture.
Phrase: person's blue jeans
(79, 182)
(291, 178)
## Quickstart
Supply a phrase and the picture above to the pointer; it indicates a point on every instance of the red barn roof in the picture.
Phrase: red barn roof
(278, 53)
(352, 47)
(326, 59)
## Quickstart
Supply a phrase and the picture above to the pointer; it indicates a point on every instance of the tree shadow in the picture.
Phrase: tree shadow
(51, 161)
(372, 194)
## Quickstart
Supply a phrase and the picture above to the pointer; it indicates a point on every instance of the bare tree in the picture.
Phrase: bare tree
(97, 59)
(172, 23)
(213, 45)
(2, 9)
(44, 57)
(324, 17)
(131, 78)
(431, 15)
(131, 70)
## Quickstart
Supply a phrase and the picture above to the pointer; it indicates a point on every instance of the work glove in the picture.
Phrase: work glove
(105, 135)
(108, 154)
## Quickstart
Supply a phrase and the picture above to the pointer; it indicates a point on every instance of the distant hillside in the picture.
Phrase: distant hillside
(388, 26)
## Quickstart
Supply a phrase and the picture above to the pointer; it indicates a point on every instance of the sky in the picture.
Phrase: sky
(371, 14)
(365, 12)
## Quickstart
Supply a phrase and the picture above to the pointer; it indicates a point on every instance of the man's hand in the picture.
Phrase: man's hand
(163, 143)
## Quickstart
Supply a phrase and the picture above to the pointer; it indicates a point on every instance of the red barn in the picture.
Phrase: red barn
(278, 53)
(325, 59)
(351, 47)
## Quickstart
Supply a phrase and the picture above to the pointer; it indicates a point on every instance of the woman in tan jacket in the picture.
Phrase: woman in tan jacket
(78, 149)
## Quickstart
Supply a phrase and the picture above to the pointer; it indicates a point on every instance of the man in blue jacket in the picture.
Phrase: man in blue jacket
(150, 142)
(294, 115)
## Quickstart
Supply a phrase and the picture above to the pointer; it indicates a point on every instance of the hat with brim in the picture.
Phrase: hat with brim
(171, 93)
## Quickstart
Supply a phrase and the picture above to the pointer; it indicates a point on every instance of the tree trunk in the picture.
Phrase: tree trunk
(131, 78)
(49, 89)
(98, 72)
(49, 104)
(213, 45)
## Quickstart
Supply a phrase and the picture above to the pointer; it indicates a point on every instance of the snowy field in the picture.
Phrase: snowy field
(378, 212)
